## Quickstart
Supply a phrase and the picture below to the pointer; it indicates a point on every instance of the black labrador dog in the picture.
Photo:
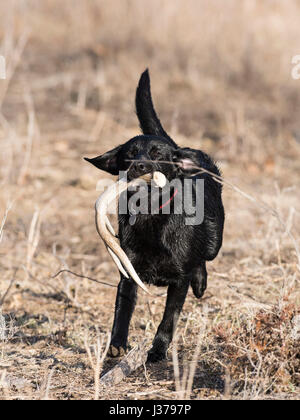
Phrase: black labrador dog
(164, 249)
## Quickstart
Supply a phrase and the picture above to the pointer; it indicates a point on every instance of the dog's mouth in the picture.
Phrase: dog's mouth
(138, 168)
(155, 180)
(105, 229)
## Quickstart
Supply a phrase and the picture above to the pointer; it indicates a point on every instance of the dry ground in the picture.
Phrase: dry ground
(221, 80)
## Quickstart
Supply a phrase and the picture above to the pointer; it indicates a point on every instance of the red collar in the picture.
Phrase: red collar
(170, 199)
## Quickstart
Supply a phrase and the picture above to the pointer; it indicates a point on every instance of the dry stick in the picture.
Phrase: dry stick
(83, 277)
(8, 208)
(184, 385)
(133, 360)
(100, 355)
(31, 132)
(43, 283)
(58, 291)
(98, 126)
(176, 369)
(33, 237)
(9, 287)
(10, 134)
(17, 54)
(46, 385)
(194, 362)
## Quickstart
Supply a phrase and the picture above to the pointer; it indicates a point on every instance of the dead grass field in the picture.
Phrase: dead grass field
(221, 81)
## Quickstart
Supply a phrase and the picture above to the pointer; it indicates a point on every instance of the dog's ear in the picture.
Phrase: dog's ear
(148, 119)
(107, 162)
(186, 158)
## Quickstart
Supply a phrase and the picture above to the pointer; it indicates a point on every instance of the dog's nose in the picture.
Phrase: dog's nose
(141, 166)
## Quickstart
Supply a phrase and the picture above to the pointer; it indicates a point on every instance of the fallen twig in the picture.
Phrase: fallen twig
(83, 277)
(132, 361)
(2, 299)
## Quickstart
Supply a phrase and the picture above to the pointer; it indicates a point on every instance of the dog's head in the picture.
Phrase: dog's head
(152, 151)
(138, 156)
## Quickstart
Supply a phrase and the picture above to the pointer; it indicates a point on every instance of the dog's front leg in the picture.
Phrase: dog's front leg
(125, 303)
(175, 300)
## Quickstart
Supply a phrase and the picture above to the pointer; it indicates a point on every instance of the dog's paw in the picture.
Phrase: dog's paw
(198, 290)
(116, 351)
(199, 283)
(155, 356)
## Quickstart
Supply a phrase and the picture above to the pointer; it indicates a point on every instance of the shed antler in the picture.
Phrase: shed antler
(106, 231)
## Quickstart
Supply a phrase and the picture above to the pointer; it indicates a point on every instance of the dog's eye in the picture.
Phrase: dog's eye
(132, 153)
(155, 154)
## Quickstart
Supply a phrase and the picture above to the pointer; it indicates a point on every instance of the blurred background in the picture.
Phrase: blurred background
(221, 75)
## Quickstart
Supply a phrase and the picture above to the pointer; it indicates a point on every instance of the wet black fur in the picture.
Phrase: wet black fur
(162, 248)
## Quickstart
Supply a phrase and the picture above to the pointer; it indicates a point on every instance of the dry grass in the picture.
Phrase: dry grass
(221, 81)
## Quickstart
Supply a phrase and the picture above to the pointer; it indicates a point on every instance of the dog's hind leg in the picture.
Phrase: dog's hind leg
(125, 303)
(199, 280)
(175, 300)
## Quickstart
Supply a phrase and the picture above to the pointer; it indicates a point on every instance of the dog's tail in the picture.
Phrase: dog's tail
(148, 119)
